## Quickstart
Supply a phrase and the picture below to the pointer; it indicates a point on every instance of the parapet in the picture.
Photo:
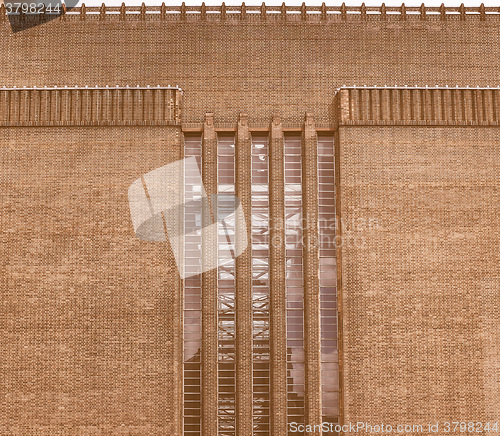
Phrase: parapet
(279, 13)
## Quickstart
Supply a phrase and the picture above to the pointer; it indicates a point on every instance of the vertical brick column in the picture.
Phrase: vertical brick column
(175, 302)
(243, 190)
(177, 105)
(277, 279)
(311, 273)
(340, 301)
(209, 285)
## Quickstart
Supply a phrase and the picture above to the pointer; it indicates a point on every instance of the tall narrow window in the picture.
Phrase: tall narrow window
(192, 296)
(226, 287)
(260, 284)
(294, 279)
(294, 282)
(328, 279)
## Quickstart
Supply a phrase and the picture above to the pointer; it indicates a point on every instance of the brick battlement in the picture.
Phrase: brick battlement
(279, 13)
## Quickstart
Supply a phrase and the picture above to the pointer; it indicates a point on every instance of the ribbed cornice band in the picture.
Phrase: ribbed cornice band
(90, 106)
(418, 106)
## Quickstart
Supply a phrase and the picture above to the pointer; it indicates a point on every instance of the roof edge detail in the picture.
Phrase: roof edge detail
(283, 12)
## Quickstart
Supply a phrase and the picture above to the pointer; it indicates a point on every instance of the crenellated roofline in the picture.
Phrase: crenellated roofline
(280, 13)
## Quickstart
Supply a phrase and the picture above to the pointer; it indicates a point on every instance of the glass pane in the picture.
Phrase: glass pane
(192, 292)
(327, 278)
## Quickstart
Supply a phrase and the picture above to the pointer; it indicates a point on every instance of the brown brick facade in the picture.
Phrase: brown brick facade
(418, 204)
(277, 277)
(243, 294)
(89, 310)
(311, 273)
(93, 316)
(209, 286)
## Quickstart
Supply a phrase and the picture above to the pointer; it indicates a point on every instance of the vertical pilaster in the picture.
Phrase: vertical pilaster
(157, 104)
(277, 279)
(177, 109)
(439, 105)
(148, 105)
(311, 278)
(385, 104)
(45, 106)
(176, 301)
(340, 301)
(488, 105)
(375, 105)
(14, 106)
(76, 105)
(428, 105)
(448, 113)
(406, 105)
(106, 105)
(417, 105)
(35, 106)
(479, 105)
(116, 105)
(24, 106)
(209, 284)
(397, 105)
(469, 105)
(137, 106)
(365, 113)
(4, 106)
(127, 105)
(244, 361)
(344, 105)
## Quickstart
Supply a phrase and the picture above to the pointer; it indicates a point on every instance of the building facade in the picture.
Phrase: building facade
(361, 146)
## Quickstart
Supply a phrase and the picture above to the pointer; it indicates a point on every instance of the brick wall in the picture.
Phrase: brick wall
(419, 273)
(254, 66)
(437, 285)
(87, 308)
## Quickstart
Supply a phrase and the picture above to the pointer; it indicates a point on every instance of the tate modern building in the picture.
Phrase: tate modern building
(239, 220)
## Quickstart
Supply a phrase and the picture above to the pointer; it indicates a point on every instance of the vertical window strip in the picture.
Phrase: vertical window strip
(260, 285)
(226, 286)
(294, 279)
(192, 299)
(328, 279)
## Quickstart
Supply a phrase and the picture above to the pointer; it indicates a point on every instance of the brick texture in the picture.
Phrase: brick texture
(277, 264)
(209, 286)
(255, 66)
(311, 273)
(88, 319)
(419, 273)
(244, 333)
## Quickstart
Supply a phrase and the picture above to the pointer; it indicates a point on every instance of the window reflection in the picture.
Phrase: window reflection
(260, 284)
(260, 287)
(192, 301)
(328, 279)
(226, 288)
(294, 279)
